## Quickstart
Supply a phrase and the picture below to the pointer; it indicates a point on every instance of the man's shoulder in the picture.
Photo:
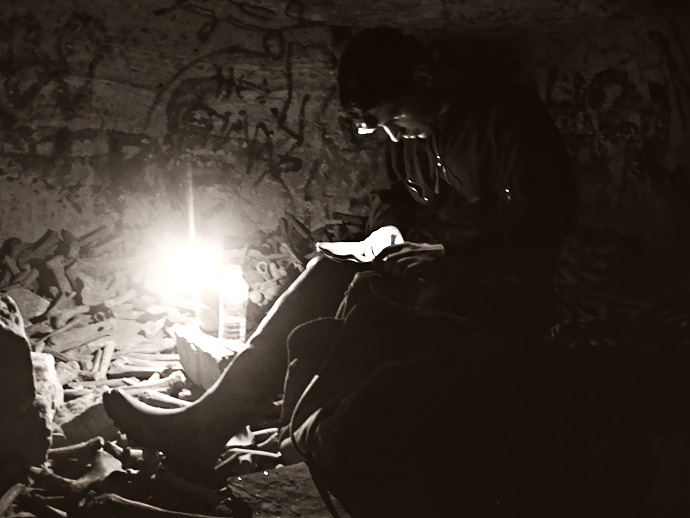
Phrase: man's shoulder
(491, 93)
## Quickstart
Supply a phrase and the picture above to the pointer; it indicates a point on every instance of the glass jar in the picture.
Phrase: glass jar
(232, 307)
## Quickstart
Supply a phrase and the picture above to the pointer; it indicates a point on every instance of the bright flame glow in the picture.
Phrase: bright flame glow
(233, 287)
(194, 275)
(184, 269)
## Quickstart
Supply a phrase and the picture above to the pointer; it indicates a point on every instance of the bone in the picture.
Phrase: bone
(112, 383)
(82, 335)
(94, 236)
(257, 453)
(67, 371)
(96, 362)
(102, 466)
(163, 357)
(76, 393)
(12, 265)
(44, 247)
(121, 299)
(131, 458)
(117, 370)
(66, 327)
(263, 435)
(175, 381)
(10, 496)
(153, 327)
(56, 266)
(106, 358)
(5, 279)
(112, 244)
(126, 365)
(63, 309)
(161, 399)
(80, 450)
(25, 279)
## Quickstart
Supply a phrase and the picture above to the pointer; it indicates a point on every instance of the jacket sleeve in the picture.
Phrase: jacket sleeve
(541, 207)
(527, 208)
(528, 198)
(390, 202)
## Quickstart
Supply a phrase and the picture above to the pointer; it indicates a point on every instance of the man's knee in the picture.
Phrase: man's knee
(317, 259)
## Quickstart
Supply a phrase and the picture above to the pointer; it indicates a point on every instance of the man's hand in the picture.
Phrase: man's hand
(410, 260)
(382, 238)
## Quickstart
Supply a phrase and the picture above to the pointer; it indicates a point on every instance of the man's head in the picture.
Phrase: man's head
(385, 79)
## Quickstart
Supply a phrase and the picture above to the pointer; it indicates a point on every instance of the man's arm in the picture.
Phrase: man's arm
(527, 207)
(390, 202)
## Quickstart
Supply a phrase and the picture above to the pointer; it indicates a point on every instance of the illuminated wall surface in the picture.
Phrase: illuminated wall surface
(105, 105)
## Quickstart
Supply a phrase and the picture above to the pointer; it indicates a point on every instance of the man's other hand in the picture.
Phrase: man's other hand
(410, 260)
(382, 238)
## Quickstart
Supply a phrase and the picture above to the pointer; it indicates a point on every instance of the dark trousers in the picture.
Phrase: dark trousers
(258, 372)
(389, 380)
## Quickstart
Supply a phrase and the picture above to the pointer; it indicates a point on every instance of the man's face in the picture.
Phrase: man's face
(406, 120)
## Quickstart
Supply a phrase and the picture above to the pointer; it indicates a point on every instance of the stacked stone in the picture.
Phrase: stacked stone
(25, 420)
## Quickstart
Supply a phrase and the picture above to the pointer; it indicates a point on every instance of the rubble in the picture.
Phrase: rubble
(16, 377)
(76, 321)
(50, 394)
(24, 442)
(30, 304)
(24, 432)
(82, 418)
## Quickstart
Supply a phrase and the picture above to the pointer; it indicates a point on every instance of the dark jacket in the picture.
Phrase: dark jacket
(493, 184)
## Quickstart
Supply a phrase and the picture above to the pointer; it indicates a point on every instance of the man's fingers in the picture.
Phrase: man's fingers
(408, 259)
(406, 265)
(412, 248)
(400, 254)
(389, 250)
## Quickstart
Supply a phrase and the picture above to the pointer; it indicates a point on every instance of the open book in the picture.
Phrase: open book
(364, 251)
(355, 251)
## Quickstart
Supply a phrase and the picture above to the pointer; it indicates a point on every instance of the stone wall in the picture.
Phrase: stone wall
(619, 91)
(108, 108)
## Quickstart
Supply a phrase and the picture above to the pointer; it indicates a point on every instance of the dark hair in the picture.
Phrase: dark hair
(378, 65)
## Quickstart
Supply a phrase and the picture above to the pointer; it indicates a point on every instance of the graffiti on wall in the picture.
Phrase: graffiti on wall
(608, 111)
(236, 113)
(246, 112)
(239, 15)
(222, 106)
(48, 79)
(252, 110)
(61, 66)
(620, 124)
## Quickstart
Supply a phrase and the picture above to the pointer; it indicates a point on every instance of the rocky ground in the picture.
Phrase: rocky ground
(74, 322)
(77, 320)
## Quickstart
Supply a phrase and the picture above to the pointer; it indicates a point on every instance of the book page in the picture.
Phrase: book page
(354, 251)
(364, 251)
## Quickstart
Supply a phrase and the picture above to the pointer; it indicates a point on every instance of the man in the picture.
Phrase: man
(478, 180)
(477, 184)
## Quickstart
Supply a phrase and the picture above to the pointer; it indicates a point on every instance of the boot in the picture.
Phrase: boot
(190, 446)
(193, 437)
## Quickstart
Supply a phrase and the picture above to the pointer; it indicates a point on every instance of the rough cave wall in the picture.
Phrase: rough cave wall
(108, 107)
